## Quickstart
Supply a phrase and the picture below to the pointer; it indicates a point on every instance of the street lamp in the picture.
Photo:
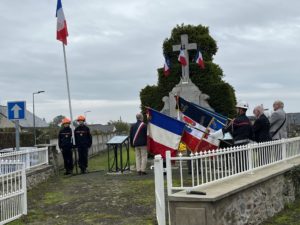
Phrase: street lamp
(34, 133)
(85, 113)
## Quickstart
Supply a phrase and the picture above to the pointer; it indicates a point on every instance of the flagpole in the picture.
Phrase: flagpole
(69, 95)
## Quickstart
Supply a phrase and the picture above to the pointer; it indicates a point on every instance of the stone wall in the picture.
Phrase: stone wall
(246, 199)
(256, 204)
(38, 175)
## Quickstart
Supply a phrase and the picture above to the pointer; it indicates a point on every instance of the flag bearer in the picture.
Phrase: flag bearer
(83, 139)
(65, 145)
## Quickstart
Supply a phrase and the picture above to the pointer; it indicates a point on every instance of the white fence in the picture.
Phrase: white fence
(32, 157)
(13, 195)
(212, 166)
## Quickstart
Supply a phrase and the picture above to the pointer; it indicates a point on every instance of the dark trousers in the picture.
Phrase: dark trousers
(68, 159)
(83, 158)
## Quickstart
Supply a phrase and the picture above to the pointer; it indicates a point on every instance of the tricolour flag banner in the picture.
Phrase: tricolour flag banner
(182, 58)
(200, 117)
(197, 141)
(62, 30)
(164, 133)
(199, 60)
(167, 66)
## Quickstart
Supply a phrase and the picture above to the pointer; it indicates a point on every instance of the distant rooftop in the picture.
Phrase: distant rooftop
(102, 128)
(27, 123)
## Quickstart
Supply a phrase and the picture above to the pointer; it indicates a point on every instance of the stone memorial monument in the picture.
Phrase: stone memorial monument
(186, 88)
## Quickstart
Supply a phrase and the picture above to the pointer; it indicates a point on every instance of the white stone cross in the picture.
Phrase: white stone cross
(185, 45)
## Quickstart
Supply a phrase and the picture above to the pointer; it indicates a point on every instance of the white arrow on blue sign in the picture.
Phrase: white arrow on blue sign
(16, 110)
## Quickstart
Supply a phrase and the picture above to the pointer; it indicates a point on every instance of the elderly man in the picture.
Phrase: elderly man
(138, 140)
(261, 126)
(278, 121)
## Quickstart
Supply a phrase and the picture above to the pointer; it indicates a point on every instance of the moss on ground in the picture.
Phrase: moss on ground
(93, 198)
(289, 216)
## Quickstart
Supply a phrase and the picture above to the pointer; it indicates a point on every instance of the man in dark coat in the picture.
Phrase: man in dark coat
(138, 140)
(261, 125)
(65, 144)
(83, 139)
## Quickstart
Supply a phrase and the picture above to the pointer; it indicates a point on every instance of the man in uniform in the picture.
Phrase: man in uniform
(83, 139)
(65, 145)
(241, 131)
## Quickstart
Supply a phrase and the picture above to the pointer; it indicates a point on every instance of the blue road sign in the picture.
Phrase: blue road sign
(16, 110)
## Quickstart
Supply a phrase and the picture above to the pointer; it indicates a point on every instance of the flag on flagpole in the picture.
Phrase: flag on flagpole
(164, 133)
(62, 30)
(182, 58)
(199, 60)
(167, 66)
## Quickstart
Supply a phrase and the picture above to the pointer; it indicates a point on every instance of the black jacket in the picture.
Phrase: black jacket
(83, 137)
(65, 138)
(240, 129)
(141, 139)
(261, 129)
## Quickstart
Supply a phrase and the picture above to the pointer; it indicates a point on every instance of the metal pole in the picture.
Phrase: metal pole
(17, 135)
(70, 106)
(34, 132)
(68, 89)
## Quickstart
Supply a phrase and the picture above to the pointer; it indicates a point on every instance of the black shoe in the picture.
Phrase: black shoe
(143, 173)
(83, 171)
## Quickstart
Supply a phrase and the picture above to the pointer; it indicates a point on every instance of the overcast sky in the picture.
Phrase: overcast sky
(115, 48)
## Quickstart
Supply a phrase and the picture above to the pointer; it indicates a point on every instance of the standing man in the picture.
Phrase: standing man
(138, 140)
(261, 126)
(83, 139)
(65, 145)
(278, 121)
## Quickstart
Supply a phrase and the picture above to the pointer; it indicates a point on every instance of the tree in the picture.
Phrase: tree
(121, 127)
(54, 126)
(208, 80)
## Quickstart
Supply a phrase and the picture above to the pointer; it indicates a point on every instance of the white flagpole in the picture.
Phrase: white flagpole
(69, 95)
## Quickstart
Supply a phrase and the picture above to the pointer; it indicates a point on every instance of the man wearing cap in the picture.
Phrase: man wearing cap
(65, 145)
(138, 140)
(83, 139)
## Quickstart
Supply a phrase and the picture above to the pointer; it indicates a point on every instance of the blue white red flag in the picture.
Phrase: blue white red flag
(61, 30)
(197, 141)
(167, 66)
(164, 133)
(182, 58)
(200, 117)
(199, 60)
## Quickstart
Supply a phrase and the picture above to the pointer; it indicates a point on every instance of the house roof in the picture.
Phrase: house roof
(26, 123)
(102, 128)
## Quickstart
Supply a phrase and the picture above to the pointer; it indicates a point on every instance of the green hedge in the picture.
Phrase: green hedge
(209, 80)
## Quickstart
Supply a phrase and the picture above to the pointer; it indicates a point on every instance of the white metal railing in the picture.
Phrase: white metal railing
(211, 166)
(13, 193)
(32, 157)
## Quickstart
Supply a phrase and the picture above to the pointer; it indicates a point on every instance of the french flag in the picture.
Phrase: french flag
(62, 30)
(197, 141)
(167, 67)
(182, 58)
(199, 60)
(164, 133)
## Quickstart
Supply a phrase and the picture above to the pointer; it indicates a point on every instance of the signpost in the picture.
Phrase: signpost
(16, 111)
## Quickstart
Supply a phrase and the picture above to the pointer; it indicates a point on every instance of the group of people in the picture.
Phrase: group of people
(263, 129)
(83, 141)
